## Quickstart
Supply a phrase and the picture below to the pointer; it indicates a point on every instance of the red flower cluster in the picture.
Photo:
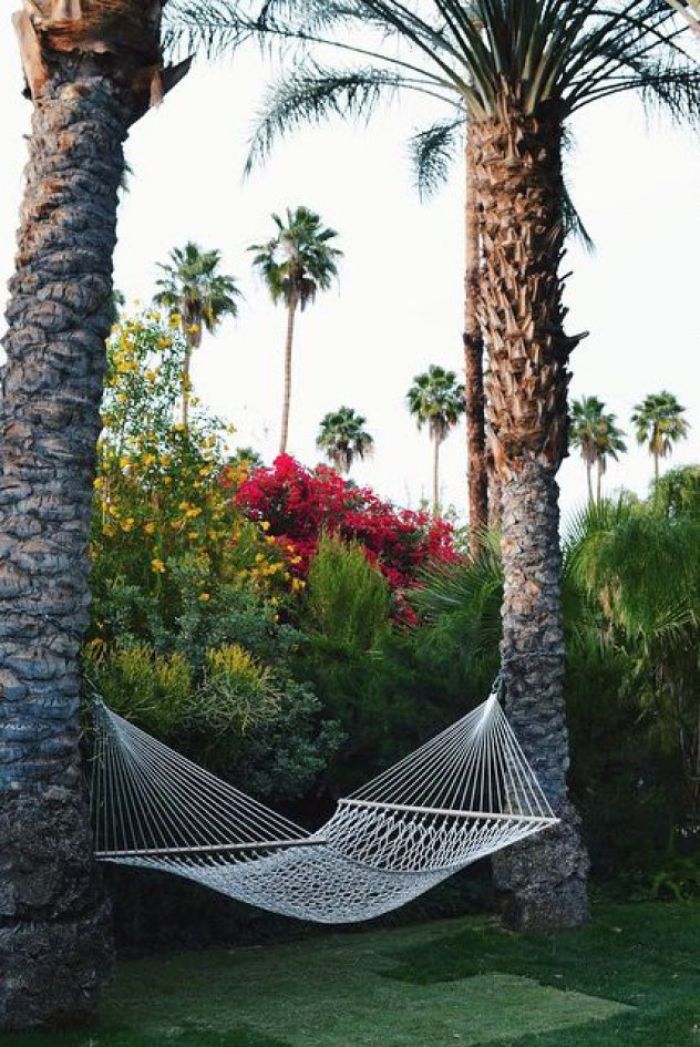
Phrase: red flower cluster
(298, 504)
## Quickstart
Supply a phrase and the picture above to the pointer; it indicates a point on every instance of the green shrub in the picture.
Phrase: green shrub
(348, 599)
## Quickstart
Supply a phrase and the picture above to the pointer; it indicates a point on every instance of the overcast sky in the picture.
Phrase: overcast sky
(398, 304)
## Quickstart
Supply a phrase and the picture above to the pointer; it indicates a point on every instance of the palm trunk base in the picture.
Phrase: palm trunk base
(55, 937)
(541, 883)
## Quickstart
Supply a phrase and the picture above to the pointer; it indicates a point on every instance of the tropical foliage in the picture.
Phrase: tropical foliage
(297, 505)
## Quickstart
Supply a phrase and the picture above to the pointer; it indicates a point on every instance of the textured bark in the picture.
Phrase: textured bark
(87, 89)
(494, 487)
(59, 316)
(474, 368)
(519, 182)
(287, 395)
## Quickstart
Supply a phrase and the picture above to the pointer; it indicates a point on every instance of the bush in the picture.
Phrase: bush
(348, 599)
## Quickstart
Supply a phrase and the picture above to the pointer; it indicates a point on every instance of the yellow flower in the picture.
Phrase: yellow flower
(150, 527)
(265, 525)
(124, 461)
(128, 524)
(158, 566)
(204, 597)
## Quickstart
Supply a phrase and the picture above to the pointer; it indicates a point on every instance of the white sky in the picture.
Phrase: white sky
(399, 302)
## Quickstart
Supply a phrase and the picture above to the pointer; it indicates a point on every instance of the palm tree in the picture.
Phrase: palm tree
(660, 424)
(596, 433)
(611, 443)
(192, 287)
(92, 70)
(298, 262)
(436, 399)
(518, 70)
(585, 420)
(343, 438)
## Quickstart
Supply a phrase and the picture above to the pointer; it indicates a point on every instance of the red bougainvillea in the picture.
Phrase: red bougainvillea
(296, 504)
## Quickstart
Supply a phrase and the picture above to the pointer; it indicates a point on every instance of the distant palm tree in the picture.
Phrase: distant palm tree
(585, 419)
(611, 442)
(598, 436)
(660, 424)
(343, 438)
(297, 263)
(436, 399)
(193, 287)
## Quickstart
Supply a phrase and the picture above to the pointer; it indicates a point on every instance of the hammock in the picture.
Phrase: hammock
(464, 795)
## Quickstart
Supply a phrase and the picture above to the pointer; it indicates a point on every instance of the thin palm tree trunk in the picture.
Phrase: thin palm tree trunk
(599, 480)
(474, 369)
(520, 187)
(54, 938)
(186, 383)
(436, 475)
(287, 396)
(589, 478)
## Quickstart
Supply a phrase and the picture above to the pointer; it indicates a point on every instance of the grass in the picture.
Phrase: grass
(631, 977)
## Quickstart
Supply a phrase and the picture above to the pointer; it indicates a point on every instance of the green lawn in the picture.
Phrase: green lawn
(631, 977)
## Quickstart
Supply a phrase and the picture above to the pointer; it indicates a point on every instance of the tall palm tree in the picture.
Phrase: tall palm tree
(436, 399)
(92, 69)
(193, 287)
(518, 70)
(299, 261)
(343, 437)
(660, 424)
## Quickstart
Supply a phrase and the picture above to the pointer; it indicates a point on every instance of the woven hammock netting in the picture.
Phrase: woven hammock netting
(464, 795)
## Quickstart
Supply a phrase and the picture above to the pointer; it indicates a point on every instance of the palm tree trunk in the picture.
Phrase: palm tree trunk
(495, 512)
(287, 397)
(186, 383)
(590, 482)
(474, 369)
(54, 937)
(520, 187)
(656, 468)
(599, 480)
(436, 475)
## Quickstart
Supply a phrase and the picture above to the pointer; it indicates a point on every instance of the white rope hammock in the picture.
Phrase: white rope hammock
(465, 794)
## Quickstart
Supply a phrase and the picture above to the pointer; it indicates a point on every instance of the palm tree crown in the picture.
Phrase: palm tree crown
(193, 287)
(436, 399)
(471, 56)
(659, 423)
(343, 438)
(299, 260)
